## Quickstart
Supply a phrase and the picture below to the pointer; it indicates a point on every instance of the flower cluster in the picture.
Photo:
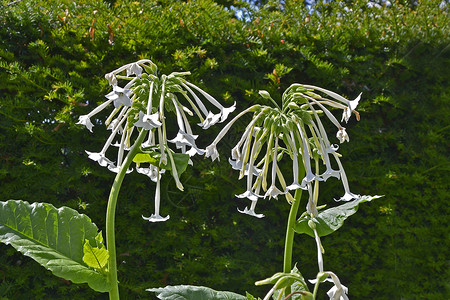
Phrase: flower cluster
(295, 129)
(141, 106)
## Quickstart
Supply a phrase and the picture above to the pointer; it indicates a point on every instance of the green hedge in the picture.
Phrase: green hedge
(54, 54)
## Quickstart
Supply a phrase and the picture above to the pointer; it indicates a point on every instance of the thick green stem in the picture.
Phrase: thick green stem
(110, 217)
(289, 243)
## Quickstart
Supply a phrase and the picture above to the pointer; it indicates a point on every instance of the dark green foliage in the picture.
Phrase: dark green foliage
(54, 54)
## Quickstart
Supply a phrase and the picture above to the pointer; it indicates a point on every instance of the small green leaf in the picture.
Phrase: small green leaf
(330, 220)
(96, 258)
(189, 292)
(52, 237)
(154, 157)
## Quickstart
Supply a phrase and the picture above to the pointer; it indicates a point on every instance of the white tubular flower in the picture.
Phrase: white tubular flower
(119, 96)
(184, 139)
(251, 211)
(100, 158)
(148, 122)
(210, 120)
(342, 135)
(224, 112)
(306, 158)
(273, 191)
(156, 217)
(351, 107)
(295, 185)
(134, 69)
(86, 121)
(111, 77)
(249, 193)
(151, 172)
(211, 151)
(348, 195)
(237, 165)
(338, 291)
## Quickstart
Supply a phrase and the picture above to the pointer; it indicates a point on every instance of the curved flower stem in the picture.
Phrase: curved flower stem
(289, 242)
(110, 217)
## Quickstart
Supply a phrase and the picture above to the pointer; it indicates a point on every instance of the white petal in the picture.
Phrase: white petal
(342, 135)
(156, 218)
(250, 212)
(86, 121)
(226, 112)
(135, 69)
(249, 195)
(211, 151)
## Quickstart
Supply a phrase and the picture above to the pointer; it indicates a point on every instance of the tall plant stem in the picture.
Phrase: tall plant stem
(110, 217)
(289, 242)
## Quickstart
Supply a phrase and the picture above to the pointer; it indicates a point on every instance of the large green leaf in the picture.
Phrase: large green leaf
(331, 219)
(52, 237)
(189, 292)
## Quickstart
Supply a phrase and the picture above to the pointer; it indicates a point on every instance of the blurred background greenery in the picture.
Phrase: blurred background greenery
(53, 57)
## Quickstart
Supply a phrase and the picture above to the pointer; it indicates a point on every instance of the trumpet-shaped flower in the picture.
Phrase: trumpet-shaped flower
(351, 107)
(184, 139)
(148, 122)
(151, 172)
(342, 135)
(111, 77)
(100, 158)
(156, 217)
(338, 291)
(211, 151)
(86, 121)
(119, 96)
(134, 69)
(251, 211)
(210, 120)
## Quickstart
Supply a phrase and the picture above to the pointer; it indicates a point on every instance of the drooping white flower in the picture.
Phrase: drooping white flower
(100, 158)
(338, 291)
(119, 96)
(342, 135)
(151, 172)
(148, 122)
(156, 217)
(210, 120)
(134, 69)
(273, 191)
(184, 139)
(351, 107)
(224, 112)
(111, 77)
(86, 121)
(211, 151)
(251, 211)
(347, 195)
